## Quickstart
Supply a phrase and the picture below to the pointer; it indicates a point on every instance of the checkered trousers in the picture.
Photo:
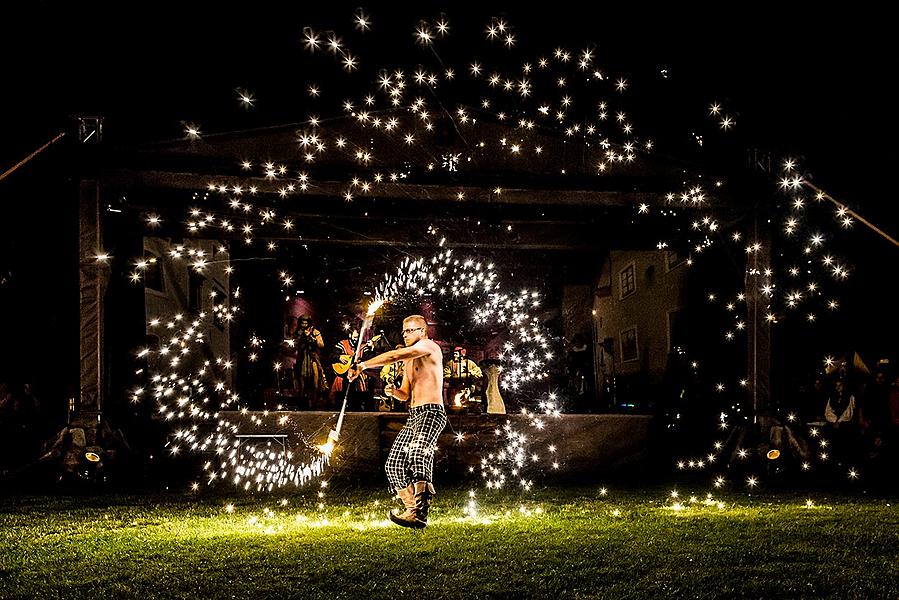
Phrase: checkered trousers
(411, 457)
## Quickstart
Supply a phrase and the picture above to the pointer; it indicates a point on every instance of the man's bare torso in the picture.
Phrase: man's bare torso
(425, 376)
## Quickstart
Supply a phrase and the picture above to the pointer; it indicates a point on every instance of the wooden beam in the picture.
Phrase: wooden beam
(402, 192)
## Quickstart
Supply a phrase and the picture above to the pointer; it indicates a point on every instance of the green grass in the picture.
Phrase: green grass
(580, 545)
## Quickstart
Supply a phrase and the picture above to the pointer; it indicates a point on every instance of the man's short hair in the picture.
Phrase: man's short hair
(418, 320)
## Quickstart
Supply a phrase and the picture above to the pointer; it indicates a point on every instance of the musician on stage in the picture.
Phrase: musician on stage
(309, 372)
(392, 375)
(360, 395)
(463, 377)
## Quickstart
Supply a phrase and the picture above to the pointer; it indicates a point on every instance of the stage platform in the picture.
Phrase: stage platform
(587, 445)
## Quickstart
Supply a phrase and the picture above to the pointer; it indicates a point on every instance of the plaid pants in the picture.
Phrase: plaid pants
(411, 457)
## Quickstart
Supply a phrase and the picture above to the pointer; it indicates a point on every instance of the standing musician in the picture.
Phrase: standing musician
(341, 360)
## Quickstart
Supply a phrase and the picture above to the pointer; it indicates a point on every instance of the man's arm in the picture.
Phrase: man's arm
(416, 350)
(401, 393)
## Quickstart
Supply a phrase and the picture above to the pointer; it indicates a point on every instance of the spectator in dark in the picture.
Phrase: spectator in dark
(842, 420)
(579, 371)
(894, 404)
(873, 410)
(19, 422)
(27, 409)
(815, 401)
(27, 406)
(5, 401)
(892, 430)
(6, 424)
(840, 408)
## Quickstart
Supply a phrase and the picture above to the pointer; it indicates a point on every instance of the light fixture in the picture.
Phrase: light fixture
(93, 454)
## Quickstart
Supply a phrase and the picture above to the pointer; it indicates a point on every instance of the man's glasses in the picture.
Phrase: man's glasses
(410, 330)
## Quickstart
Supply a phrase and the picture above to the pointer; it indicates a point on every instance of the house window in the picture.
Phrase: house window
(627, 280)
(629, 344)
(195, 291)
(675, 258)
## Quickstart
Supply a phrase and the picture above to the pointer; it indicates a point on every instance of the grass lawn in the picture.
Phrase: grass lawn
(560, 543)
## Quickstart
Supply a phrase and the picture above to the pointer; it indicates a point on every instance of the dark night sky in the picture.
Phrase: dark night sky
(810, 81)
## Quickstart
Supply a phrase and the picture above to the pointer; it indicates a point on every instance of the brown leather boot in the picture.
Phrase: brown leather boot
(407, 497)
(417, 516)
(424, 492)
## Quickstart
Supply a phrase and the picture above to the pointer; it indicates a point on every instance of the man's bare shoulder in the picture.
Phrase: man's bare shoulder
(429, 346)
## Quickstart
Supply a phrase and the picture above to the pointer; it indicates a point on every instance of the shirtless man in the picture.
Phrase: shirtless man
(410, 464)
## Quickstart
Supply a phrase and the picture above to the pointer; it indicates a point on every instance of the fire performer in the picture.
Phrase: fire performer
(410, 464)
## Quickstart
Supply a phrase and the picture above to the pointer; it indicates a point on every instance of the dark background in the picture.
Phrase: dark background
(806, 81)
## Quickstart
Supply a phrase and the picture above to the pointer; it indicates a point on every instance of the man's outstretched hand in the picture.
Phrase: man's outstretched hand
(354, 372)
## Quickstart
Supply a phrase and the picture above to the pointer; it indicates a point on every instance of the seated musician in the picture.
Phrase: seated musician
(462, 376)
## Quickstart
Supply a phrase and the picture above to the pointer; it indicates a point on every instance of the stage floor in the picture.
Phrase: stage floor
(583, 444)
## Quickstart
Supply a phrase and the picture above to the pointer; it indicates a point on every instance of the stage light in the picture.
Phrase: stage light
(92, 454)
